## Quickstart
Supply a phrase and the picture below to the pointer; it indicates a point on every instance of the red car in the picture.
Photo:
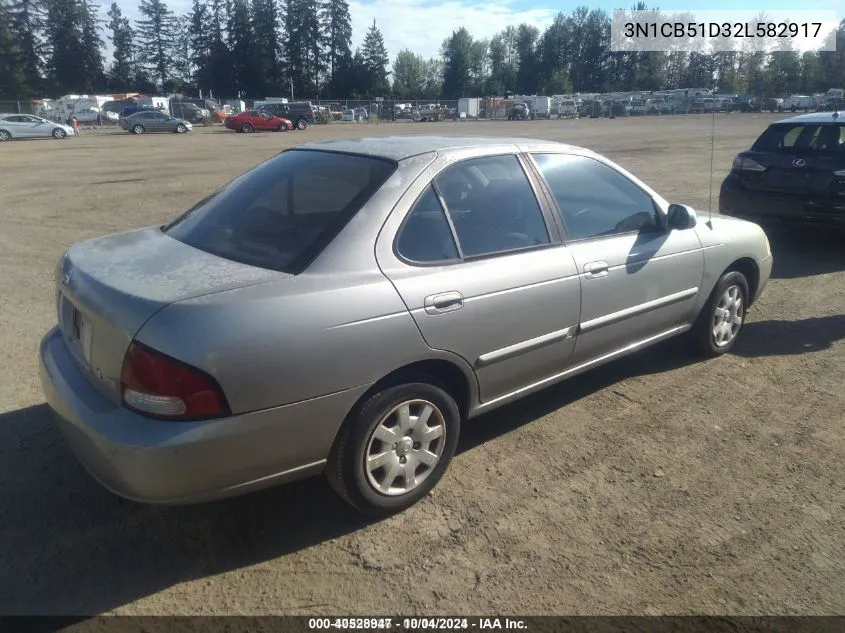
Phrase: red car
(254, 121)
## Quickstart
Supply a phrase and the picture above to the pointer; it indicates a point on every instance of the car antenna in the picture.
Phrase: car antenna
(712, 151)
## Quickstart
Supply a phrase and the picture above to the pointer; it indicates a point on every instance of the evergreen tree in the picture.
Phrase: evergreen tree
(157, 33)
(92, 71)
(200, 43)
(304, 46)
(527, 67)
(242, 48)
(266, 60)
(457, 64)
(375, 59)
(26, 18)
(121, 73)
(337, 36)
(12, 80)
(63, 35)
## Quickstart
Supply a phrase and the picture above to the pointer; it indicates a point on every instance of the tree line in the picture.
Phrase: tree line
(257, 48)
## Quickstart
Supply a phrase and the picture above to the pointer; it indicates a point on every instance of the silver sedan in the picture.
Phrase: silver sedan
(14, 126)
(154, 121)
(343, 307)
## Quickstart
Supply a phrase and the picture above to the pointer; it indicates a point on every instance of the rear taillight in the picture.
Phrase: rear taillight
(747, 164)
(159, 386)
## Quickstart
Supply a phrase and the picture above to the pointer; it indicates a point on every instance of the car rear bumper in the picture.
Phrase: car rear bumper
(735, 200)
(154, 461)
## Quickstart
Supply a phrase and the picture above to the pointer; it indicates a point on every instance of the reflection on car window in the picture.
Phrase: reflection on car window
(492, 215)
(425, 236)
(594, 199)
(284, 209)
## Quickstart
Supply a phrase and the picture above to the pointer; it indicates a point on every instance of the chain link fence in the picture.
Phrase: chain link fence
(17, 107)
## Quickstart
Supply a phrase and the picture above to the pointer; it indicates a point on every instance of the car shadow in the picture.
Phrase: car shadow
(805, 251)
(69, 547)
(789, 338)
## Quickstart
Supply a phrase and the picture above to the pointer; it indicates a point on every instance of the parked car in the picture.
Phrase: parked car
(794, 172)
(771, 104)
(129, 110)
(302, 113)
(344, 306)
(638, 107)
(519, 112)
(189, 111)
(154, 121)
(799, 102)
(19, 126)
(257, 121)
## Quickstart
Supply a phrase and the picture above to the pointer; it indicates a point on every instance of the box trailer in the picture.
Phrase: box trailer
(468, 107)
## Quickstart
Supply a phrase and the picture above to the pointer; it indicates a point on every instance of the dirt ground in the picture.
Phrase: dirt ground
(655, 485)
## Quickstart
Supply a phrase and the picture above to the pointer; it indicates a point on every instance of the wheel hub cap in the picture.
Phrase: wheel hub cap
(727, 317)
(405, 447)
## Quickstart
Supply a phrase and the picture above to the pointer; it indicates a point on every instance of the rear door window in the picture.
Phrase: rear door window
(492, 206)
(282, 213)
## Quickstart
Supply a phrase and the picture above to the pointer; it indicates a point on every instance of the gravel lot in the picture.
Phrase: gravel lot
(653, 485)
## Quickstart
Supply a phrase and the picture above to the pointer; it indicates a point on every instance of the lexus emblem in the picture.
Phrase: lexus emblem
(799, 162)
(66, 278)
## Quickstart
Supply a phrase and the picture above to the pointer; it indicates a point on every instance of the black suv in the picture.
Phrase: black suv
(795, 171)
(188, 110)
(300, 113)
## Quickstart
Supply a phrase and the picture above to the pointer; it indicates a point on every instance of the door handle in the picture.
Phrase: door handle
(444, 302)
(594, 270)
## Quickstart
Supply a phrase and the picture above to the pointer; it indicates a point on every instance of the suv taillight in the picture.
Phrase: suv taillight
(159, 386)
(747, 164)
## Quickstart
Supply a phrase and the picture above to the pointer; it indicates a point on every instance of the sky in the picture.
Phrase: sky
(422, 25)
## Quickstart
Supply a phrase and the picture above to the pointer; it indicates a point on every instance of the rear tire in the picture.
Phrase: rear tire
(138, 129)
(406, 430)
(5, 136)
(59, 134)
(721, 319)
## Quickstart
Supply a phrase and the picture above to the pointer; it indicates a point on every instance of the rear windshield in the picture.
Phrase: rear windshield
(828, 138)
(282, 213)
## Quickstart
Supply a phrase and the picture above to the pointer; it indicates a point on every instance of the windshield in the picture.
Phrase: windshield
(825, 138)
(282, 213)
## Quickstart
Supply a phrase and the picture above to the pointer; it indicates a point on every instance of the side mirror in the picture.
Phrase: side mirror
(680, 217)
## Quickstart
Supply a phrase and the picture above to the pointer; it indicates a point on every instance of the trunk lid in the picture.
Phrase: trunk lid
(794, 172)
(107, 288)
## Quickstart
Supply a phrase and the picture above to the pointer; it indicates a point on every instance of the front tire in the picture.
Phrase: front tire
(301, 124)
(394, 447)
(181, 129)
(138, 129)
(246, 128)
(59, 134)
(718, 326)
(5, 136)
(283, 128)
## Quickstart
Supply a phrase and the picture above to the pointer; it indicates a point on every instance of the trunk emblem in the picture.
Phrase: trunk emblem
(66, 278)
(799, 162)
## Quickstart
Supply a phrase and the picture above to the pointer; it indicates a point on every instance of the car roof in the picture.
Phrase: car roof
(815, 117)
(402, 147)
